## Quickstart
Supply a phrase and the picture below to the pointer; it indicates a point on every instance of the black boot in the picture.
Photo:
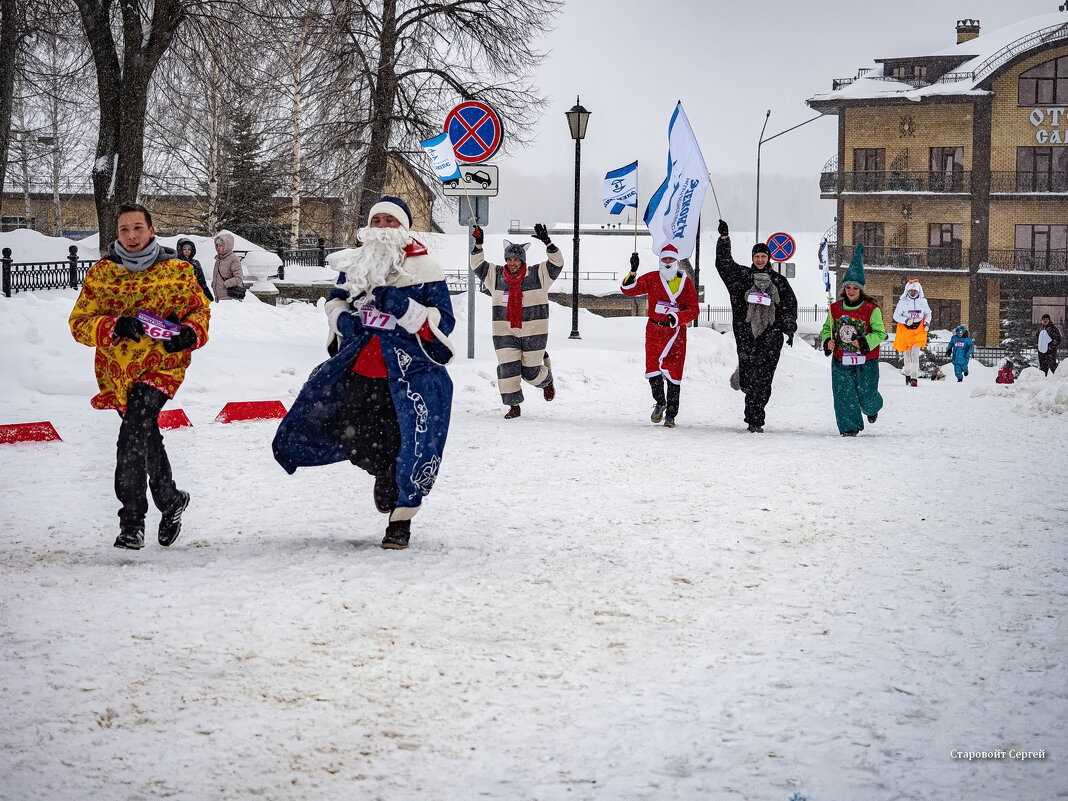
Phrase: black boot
(397, 534)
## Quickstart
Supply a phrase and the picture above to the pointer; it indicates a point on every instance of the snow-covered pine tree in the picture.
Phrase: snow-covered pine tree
(1016, 330)
(248, 206)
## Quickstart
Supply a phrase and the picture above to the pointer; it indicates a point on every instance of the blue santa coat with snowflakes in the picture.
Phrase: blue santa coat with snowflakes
(418, 383)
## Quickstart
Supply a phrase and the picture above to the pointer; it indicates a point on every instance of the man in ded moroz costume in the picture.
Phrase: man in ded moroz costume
(383, 399)
(673, 304)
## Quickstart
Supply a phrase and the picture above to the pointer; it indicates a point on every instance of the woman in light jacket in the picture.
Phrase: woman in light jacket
(913, 317)
(227, 281)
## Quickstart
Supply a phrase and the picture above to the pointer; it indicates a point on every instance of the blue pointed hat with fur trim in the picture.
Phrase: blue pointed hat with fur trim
(855, 274)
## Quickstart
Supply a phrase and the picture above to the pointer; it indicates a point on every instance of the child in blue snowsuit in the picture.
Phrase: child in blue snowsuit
(960, 351)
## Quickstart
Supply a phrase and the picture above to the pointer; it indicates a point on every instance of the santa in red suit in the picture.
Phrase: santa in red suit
(673, 305)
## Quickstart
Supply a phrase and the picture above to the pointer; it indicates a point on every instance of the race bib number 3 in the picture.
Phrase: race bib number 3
(666, 306)
(759, 298)
(157, 327)
(373, 318)
(850, 358)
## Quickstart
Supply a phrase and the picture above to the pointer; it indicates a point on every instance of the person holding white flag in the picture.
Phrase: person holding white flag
(674, 210)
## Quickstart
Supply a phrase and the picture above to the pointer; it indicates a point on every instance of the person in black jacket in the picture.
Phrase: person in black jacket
(764, 309)
(187, 251)
(1049, 337)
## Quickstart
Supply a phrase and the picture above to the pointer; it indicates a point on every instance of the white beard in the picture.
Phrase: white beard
(378, 263)
(668, 272)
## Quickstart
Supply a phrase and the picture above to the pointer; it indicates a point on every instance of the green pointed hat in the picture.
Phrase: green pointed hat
(855, 274)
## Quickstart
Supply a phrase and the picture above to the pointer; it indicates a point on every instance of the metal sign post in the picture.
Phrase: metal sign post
(480, 205)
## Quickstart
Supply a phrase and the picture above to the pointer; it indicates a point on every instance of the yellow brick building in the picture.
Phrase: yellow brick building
(952, 168)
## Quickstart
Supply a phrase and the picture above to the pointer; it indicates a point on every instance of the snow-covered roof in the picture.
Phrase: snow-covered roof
(981, 58)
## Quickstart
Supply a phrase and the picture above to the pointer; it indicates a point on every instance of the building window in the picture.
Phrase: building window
(1041, 169)
(1041, 247)
(869, 164)
(12, 222)
(1056, 308)
(945, 246)
(1045, 84)
(947, 169)
(870, 234)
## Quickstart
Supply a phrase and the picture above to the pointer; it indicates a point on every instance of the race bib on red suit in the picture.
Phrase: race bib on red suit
(666, 306)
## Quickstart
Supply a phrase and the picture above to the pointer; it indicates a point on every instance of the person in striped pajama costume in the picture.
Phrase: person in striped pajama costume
(520, 295)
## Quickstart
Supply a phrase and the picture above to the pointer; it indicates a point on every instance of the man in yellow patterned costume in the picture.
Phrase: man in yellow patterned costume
(139, 364)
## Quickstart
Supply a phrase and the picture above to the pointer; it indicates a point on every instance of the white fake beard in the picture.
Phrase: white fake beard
(377, 263)
(668, 271)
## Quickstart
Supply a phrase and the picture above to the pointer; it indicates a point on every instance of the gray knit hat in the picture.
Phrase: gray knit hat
(515, 251)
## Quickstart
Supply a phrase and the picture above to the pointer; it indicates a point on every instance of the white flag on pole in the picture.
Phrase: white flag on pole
(442, 156)
(675, 209)
(621, 188)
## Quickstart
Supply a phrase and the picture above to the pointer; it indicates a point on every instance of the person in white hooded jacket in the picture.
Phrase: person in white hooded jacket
(913, 317)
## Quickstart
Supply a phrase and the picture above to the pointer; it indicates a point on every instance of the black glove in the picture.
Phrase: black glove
(723, 230)
(236, 292)
(862, 344)
(479, 235)
(183, 340)
(673, 319)
(129, 328)
(827, 352)
(634, 262)
(540, 233)
(949, 351)
(790, 340)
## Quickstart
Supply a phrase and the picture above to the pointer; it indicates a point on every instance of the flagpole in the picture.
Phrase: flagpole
(635, 223)
(713, 188)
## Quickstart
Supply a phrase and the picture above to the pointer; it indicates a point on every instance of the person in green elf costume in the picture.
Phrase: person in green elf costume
(851, 336)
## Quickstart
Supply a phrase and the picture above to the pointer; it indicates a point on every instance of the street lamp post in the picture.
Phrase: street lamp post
(577, 118)
(760, 143)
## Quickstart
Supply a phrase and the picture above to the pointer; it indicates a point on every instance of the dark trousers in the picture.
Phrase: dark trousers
(756, 371)
(1047, 362)
(141, 459)
(656, 383)
(369, 430)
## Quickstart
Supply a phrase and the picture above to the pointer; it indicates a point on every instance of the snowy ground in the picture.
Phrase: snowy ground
(592, 607)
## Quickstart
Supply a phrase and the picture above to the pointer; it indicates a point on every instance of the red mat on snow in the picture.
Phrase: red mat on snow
(251, 410)
(173, 418)
(28, 432)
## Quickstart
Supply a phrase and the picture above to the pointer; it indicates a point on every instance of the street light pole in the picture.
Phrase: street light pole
(760, 143)
(577, 118)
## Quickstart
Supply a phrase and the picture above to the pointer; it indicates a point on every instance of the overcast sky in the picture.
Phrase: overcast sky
(729, 62)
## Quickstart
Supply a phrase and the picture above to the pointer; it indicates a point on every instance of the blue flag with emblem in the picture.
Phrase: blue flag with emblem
(442, 157)
(621, 188)
(675, 209)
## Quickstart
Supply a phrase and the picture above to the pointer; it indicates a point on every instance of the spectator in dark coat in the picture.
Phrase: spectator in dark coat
(1049, 337)
(764, 309)
(187, 251)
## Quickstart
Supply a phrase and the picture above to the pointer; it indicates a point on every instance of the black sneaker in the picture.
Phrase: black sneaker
(131, 537)
(170, 525)
(873, 417)
(658, 413)
(397, 534)
(965, 372)
(669, 422)
(849, 433)
(756, 429)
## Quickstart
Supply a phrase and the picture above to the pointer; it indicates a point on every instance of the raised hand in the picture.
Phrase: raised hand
(723, 230)
(541, 233)
(479, 235)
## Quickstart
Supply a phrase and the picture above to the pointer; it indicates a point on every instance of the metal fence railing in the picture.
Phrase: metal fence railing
(34, 276)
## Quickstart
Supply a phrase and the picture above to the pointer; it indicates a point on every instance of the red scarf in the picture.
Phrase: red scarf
(515, 296)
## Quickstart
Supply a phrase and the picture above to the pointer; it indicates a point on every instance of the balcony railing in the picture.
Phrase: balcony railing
(958, 181)
(1051, 261)
(1024, 181)
(944, 257)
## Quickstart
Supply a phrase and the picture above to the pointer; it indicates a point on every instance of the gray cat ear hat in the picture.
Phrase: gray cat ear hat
(515, 251)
